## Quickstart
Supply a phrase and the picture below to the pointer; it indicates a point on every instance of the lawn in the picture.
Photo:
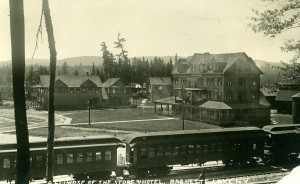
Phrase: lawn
(106, 115)
(120, 128)
(151, 126)
(282, 118)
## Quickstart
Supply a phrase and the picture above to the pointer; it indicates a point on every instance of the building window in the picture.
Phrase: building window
(253, 96)
(77, 91)
(83, 90)
(175, 80)
(254, 83)
(242, 81)
(229, 83)
(114, 91)
(242, 95)
(89, 90)
(219, 95)
(71, 90)
(168, 151)
(96, 90)
(220, 82)
(229, 95)
(193, 68)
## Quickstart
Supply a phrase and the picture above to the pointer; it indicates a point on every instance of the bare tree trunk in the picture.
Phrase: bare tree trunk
(51, 118)
(18, 73)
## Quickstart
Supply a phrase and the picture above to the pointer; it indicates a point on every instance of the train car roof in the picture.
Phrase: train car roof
(277, 128)
(64, 141)
(130, 137)
(63, 147)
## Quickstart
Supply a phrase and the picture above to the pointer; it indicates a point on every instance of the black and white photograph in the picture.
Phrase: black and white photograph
(149, 92)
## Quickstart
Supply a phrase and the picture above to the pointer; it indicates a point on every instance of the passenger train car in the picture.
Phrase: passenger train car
(78, 156)
(156, 152)
(153, 152)
(282, 143)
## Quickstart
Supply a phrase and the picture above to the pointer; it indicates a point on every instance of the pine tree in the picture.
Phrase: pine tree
(93, 73)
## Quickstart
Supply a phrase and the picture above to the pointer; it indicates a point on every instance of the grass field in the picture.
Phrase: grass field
(67, 132)
(282, 118)
(106, 115)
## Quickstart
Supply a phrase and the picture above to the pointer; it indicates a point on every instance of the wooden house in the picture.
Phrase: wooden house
(71, 92)
(159, 88)
(118, 93)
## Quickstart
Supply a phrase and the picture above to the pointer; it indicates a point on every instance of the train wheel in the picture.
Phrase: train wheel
(162, 171)
(80, 177)
(142, 172)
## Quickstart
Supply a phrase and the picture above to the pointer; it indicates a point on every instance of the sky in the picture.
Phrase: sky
(151, 28)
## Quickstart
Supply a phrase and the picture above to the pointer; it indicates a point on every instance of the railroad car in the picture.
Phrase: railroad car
(90, 156)
(282, 143)
(152, 153)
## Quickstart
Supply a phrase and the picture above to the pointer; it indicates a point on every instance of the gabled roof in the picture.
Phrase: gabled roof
(286, 95)
(225, 61)
(162, 81)
(71, 80)
(110, 82)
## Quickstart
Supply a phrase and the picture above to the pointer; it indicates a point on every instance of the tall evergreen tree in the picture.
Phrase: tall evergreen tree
(93, 70)
(64, 69)
(108, 62)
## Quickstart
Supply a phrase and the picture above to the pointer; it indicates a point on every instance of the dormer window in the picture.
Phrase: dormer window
(193, 68)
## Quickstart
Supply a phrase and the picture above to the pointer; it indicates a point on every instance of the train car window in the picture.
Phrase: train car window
(79, 157)
(151, 153)
(15, 162)
(89, 157)
(39, 161)
(70, 158)
(191, 149)
(108, 155)
(183, 149)
(220, 147)
(143, 152)
(176, 150)
(59, 158)
(6, 163)
(213, 147)
(226, 147)
(205, 148)
(160, 152)
(254, 146)
(98, 156)
(198, 149)
(168, 151)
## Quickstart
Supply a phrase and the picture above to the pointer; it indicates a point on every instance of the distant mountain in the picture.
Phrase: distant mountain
(271, 72)
(84, 60)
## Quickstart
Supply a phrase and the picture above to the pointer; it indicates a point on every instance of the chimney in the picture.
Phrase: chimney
(87, 73)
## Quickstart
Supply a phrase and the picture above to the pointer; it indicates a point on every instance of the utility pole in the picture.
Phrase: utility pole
(89, 102)
(182, 107)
